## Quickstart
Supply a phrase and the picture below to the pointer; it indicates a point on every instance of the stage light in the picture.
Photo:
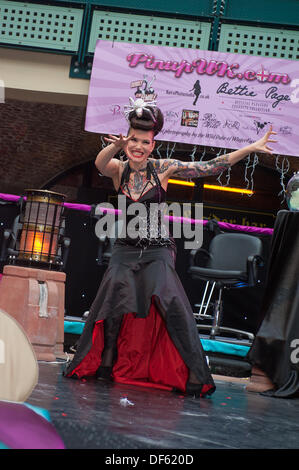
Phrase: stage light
(228, 189)
(182, 183)
(212, 186)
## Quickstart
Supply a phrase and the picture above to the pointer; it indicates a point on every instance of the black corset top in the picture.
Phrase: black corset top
(152, 231)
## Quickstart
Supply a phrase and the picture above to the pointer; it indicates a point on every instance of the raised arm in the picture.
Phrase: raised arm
(105, 162)
(188, 170)
(216, 165)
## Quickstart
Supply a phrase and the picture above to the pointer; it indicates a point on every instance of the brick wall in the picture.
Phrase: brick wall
(39, 141)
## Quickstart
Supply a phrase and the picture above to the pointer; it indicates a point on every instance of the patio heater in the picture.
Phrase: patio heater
(32, 289)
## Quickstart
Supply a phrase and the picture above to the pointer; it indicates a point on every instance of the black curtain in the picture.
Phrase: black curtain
(276, 346)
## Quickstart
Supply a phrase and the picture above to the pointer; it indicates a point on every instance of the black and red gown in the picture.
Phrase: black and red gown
(141, 322)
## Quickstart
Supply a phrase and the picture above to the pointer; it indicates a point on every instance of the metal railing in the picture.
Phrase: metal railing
(73, 27)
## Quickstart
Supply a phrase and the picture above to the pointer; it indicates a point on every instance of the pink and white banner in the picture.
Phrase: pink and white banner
(208, 98)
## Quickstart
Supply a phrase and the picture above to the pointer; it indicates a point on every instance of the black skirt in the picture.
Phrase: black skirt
(158, 343)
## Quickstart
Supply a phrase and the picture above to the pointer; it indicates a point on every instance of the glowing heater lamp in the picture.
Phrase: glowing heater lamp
(32, 289)
(41, 223)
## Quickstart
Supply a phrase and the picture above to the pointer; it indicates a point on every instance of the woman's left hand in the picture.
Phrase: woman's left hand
(261, 144)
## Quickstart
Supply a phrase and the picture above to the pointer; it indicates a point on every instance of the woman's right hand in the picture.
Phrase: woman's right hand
(120, 142)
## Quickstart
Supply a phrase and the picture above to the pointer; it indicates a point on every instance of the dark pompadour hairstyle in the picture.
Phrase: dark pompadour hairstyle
(151, 120)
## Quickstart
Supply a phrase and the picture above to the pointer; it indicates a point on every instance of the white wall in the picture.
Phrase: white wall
(38, 76)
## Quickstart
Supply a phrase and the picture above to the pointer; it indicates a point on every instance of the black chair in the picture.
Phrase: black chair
(234, 260)
(106, 243)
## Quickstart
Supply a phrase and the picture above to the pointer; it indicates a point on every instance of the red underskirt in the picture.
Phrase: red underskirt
(146, 355)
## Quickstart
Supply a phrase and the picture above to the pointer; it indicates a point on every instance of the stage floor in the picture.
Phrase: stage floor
(99, 415)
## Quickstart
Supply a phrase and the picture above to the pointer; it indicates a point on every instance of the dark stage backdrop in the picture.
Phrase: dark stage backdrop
(242, 307)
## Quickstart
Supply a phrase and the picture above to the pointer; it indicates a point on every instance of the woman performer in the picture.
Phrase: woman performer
(141, 328)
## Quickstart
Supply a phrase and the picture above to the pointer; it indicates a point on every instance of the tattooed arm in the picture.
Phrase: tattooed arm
(192, 169)
(214, 166)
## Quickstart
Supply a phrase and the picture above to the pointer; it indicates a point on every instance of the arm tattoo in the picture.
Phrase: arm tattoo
(195, 169)
(162, 167)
